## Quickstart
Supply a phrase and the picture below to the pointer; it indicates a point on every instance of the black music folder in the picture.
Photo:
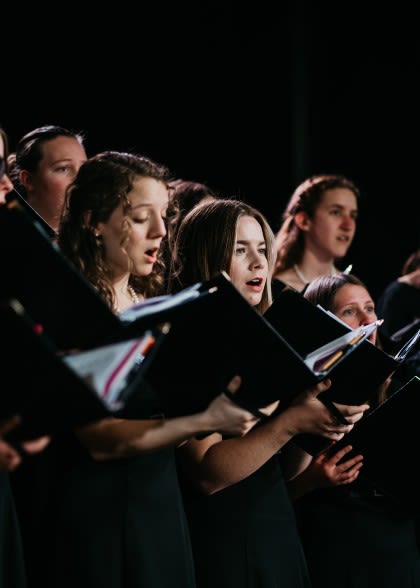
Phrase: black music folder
(53, 292)
(15, 200)
(355, 381)
(388, 440)
(307, 326)
(48, 390)
(216, 329)
(218, 334)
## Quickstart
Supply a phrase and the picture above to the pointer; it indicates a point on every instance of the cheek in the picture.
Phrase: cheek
(54, 184)
(352, 322)
(234, 272)
(136, 238)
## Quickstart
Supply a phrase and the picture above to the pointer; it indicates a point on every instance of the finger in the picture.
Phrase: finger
(341, 453)
(234, 384)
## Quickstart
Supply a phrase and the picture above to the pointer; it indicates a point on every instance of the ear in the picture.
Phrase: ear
(25, 178)
(302, 221)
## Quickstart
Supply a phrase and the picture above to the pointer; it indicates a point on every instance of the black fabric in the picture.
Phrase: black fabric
(355, 538)
(12, 567)
(246, 535)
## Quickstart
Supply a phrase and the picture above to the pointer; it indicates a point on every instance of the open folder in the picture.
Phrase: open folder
(306, 326)
(388, 440)
(216, 334)
(52, 392)
(354, 381)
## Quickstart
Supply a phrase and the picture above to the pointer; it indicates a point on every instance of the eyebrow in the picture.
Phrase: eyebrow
(244, 241)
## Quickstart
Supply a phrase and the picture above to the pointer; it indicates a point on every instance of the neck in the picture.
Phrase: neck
(307, 274)
(125, 295)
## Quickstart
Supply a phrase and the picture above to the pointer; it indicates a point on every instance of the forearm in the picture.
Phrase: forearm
(117, 438)
(215, 465)
(294, 460)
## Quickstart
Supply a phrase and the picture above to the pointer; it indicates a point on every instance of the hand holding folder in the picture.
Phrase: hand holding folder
(388, 440)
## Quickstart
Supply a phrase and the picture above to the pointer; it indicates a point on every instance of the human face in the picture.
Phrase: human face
(5, 184)
(354, 306)
(46, 187)
(330, 232)
(137, 252)
(249, 266)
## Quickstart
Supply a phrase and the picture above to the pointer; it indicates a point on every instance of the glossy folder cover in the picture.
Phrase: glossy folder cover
(213, 336)
(53, 292)
(388, 440)
(219, 334)
(42, 388)
(306, 326)
(354, 381)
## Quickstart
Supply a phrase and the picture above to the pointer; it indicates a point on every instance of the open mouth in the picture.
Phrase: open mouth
(255, 282)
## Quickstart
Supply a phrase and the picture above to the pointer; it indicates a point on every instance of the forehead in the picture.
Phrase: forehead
(339, 196)
(61, 148)
(148, 192)
(1, 146)
(249, 228)
(351, 293)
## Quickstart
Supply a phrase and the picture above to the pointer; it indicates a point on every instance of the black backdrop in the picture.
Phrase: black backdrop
(249, 99)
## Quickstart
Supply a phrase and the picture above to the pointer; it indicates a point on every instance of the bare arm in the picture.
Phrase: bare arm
(114, 438)
(213, 464)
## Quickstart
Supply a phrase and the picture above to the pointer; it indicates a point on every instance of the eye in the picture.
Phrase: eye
(139, 220)
(262, 251)
(239, 250)
(65, 169)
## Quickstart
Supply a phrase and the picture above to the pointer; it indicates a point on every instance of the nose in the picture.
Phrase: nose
(365, 318)
(257, 259)
(158, 227)
(348, 222)
(6, 186)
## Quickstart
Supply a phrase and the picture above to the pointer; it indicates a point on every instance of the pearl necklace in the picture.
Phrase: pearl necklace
(303, 279)
(134, 298)
(133, 295)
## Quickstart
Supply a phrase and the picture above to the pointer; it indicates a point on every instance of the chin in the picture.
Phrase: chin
(254, 299)
(143, 270)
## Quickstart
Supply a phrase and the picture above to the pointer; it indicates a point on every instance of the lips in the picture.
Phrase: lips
(256, 284)
(151, 254)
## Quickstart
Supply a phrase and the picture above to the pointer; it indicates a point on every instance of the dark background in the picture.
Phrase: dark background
(250, 99)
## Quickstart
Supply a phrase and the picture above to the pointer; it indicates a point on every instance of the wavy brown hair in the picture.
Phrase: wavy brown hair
(102, 183)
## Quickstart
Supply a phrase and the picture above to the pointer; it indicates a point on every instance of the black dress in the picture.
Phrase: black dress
(119, 523)
(355, 538)
(398, 305)
(246, 535)
(12, 569)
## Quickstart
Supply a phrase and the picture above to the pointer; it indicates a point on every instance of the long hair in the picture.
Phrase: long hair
(101, 185)
(206, 241)
(290, 242)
